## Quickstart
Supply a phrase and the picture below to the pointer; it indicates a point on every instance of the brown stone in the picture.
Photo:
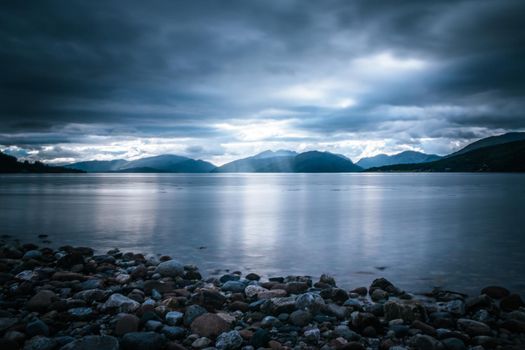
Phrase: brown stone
(209, 325)
(126, 323)
(41, 301)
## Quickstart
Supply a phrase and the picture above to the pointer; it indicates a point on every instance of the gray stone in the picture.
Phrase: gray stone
(426, 342)
(300, 318)
(80, 313)
(37, 327)
(229, 341)
(310, 301)
(40, 343)
(201, 342)
(170, 268)
(312, 335)
(346, 332)
(173, 332)
(453, 344)
(233, 286)
(192, 312)
(473, 327)
(7, 322)
(121, 302)
(174, 318)
(126, 323)
(98, 342)
(142, 341)
(41, 300)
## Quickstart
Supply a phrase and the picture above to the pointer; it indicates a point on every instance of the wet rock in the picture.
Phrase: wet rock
(383, 284)
(311, 302)
(296, 287)
(159, 286)
(253, 277)
(126, 323)
(41, 301)
(174, 318)
(251, 291)
(312, 335)
(40, 343)
(346, 333)
(233, 286)
(142, 341)
(98, 342)
(426, 342)
(300, 318)
(453, 344)
(495, 292)
(170, 268)
(511, 302)
(192, 312)
(276, 306)
(173, 332)
(379, 294)
(260, 338)
(121, 302)
(473, 327)
(91, 295)
(270, 321)
(209, 325)
(37, 327)
(229, 341)
(407, 311)
(7, 322)
(200, 343)
(80, 313)
(360, 291)
(32, 254)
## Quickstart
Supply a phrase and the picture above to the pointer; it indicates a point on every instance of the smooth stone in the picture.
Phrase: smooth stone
(270, 321)
(310, 301)
(252, 290)
(27, 275)
(229, 341)
(37, 327)
(209, 325)
(91, 295)
(260, 338)
(98, 342)
(407, 311)
(32, 254)
(153, 325)
(170, 268)
(121, 302)
(201, 342)
(346, 333)
(379, 294)
(7, 322)
(426, 342)
(473, 327)
(253, 277)
(233, 286)
(40, 343)
(511, 302)
(192, 312)
(41, 300)
(174, 318)
(300, 318)
(496, 292)
(453, 344)
(142, 341)
(126, 323)
(384, 284)
(312, 335)
(173, 332)
(92, 283)
(80, 313)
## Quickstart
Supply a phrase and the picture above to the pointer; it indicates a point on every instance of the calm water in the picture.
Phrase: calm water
(461, 231)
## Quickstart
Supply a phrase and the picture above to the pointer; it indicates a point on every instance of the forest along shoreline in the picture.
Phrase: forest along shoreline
(70, 298)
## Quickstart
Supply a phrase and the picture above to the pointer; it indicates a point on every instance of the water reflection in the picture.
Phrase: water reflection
(426, 229)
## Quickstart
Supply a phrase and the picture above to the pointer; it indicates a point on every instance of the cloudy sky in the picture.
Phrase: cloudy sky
(219, 80)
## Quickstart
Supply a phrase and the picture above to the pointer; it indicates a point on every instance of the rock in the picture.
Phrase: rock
(92, 283)
(32, 254)
(473, 327)
(210, 299)
(80, 313)
(300, 318)
(360, 291)
(353, 345)
(269, 294)
(126, 323)
(192, 312)
(384, 284)
(455, 307)
(229, 341)
(200, 343)
(425, 328)
(426, 342)
(91, 295)
(379, 294)
(233, 286)
(276, 306)
(312, 335)
(407, 311)
(270, 321)
(511, 302)
(170, 268)
(296, 287)
(495, 292)
(209, 325)
(27, 275)
(67, 276)
(98, 342)
(40, 343)
(173, 332)
(174, 318)
(142, 341)
(253, 277)
(121, 302)
(7, 322)
(260, 338)
(311, 302)
(252, 290)
(122, 278)
(37, 327)
(346, 333)
(453, 344)
(41, 301)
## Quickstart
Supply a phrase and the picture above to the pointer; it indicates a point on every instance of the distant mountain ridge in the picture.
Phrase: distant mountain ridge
(166, 163)
(491, 141)
(504, 157)
(10, 164)
(406, 157)
(290, 162)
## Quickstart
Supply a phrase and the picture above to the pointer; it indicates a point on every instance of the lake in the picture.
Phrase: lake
(459, 231)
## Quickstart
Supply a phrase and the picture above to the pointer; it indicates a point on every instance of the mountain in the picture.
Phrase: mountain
(491, 141)
(406, 157)
(290, 162)
(166, 163)
(98, 166)
(506, 157)
(9, 164)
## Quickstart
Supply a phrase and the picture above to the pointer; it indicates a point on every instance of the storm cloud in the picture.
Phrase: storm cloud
(222, 79)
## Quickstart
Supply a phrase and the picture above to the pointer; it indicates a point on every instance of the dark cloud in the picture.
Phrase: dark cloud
(88, 73)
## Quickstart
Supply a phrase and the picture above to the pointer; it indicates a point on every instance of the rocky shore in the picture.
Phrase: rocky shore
(71, 298)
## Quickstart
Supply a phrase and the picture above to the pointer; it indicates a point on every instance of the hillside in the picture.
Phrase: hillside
(10, 164)
(406, 157)
(507, 157)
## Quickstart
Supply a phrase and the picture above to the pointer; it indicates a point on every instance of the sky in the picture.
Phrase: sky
(221, 80)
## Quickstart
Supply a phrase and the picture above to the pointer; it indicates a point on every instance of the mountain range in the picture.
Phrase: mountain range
(406, 157)
(496, 153)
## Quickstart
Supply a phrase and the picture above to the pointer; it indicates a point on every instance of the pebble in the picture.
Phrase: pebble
(229, 341)
(170, 268)
(90, 342)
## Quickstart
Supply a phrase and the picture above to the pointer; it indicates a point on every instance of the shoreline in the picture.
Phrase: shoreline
(70, 298)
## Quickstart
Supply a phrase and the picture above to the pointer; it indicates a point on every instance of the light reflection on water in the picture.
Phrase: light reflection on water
(462, 231)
